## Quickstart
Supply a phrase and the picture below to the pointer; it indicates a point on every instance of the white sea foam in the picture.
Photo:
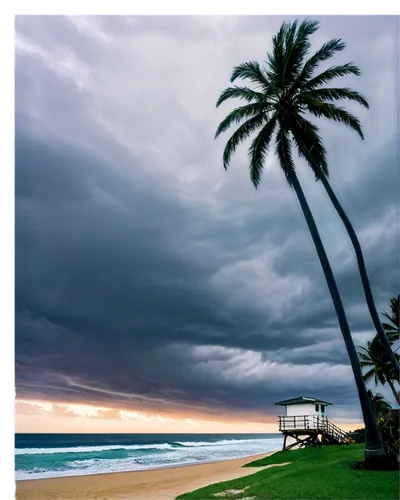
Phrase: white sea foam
(222, 442)
(90, 449)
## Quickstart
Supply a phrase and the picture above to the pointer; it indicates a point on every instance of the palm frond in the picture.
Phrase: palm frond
(330, 74)
(289, 47)
(379, 405)
(388, 327)
(240, 93)
(393, 336)
(258, 149)
(332, 112)
(309, 145)
(366, 362)
(380, 377)
(324, 53)
(366, 349)
(275, 59)
(297, 46)
(394, 318)
(306, 29)
(365, 356)
(377, 397)
(395, 308)
(252, 71)
(334, 94)
(241, 134)
(283, 150)
(367, 376)
(239, 114)
(392, 333)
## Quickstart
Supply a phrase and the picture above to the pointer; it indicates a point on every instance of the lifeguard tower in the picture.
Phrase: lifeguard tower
(305, 421)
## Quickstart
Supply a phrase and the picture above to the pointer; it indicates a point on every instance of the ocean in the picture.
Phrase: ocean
(57, 455)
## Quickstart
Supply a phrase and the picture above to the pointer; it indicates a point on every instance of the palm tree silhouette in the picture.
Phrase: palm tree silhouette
(380, 406)
(374, 358)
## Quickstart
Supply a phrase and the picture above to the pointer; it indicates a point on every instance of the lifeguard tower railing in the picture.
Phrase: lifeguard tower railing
(314, 424)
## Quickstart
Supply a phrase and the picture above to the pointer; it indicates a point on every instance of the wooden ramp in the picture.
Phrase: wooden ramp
(311, 430)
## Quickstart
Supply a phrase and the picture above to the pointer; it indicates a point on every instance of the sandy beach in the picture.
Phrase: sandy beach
(159, 484)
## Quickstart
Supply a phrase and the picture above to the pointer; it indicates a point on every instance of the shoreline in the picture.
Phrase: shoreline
(150, 469)
(164, 483)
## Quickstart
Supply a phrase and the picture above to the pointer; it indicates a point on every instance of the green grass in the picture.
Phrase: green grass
(314, 473)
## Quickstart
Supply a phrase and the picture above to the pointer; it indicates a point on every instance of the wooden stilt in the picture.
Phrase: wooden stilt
(284, 442)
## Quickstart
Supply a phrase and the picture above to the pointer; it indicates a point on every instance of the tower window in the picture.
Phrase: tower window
(316, 407)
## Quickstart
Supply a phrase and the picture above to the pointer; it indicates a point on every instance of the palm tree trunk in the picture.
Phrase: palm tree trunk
(395, 393)
(364, 276)
(374, 450)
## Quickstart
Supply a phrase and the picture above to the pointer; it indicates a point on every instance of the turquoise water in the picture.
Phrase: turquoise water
(56, 455)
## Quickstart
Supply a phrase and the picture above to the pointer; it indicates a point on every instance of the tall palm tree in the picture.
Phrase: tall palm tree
(374, 358)
(283, 94)
(379, 405)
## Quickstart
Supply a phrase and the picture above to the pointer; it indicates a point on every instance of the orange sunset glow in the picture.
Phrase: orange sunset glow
(38, 417)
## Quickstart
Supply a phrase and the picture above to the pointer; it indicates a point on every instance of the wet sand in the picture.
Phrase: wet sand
(158, 484)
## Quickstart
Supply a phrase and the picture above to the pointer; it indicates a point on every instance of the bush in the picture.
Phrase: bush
(389, 426)
(358, 436)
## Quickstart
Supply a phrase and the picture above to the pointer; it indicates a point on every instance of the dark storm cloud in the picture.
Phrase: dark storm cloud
(146, 277)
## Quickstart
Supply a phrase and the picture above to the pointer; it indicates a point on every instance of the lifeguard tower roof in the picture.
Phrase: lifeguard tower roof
(301, 400)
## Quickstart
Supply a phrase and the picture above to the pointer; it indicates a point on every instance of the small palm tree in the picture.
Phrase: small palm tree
(379, 405)
(285, 90)
(374, 358)
(392, 329)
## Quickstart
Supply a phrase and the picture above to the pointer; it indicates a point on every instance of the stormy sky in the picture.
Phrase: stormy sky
(149, 279)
